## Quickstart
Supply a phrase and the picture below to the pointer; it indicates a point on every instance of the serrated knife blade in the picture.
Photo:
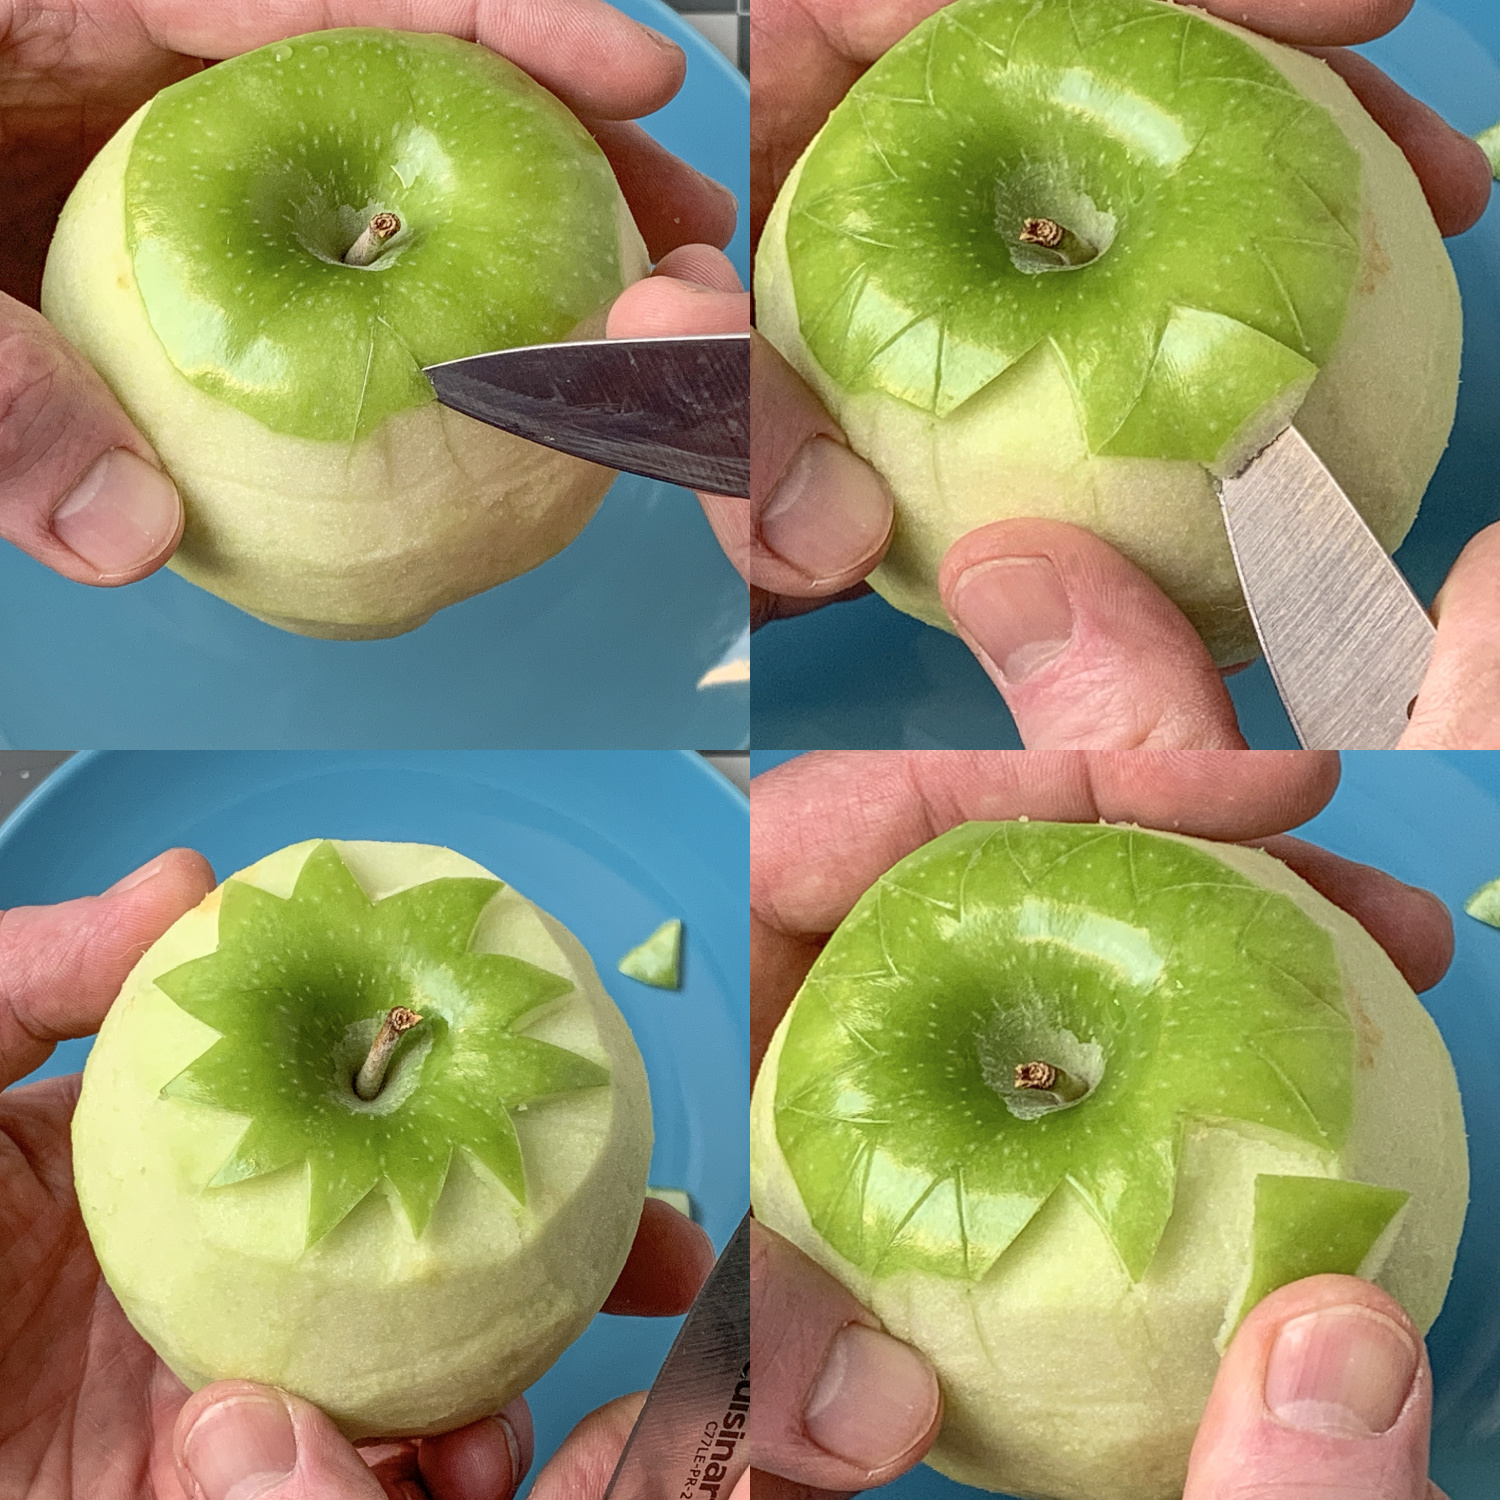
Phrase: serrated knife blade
(689, 1441)
(676, 409)
(1346, 639)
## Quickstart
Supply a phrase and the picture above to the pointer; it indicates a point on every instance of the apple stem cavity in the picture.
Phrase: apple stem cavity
(1045, 1078)
(367, 248)
(1048, 234)
(370, 1079)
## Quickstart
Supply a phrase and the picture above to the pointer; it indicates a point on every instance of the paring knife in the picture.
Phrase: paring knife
(673, 408)
(689, 1441)
(1346, 640)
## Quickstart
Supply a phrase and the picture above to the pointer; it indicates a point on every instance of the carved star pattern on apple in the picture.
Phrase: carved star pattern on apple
(1205, 996)
(298, 987)
(915, 271)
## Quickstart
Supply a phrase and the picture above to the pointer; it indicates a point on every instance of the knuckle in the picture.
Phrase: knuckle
(31, 419)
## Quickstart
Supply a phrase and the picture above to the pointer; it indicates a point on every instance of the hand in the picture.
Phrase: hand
(80, 489)
(87, 1410)
(841, 1405)
(1085, 649)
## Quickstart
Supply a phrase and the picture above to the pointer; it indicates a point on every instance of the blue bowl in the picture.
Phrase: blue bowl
(863, 675)
(1432, 820)
(612, 844)
(607, 644)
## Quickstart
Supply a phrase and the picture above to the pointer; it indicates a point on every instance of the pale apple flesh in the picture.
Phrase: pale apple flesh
(1378, 411)
(390, 1332)
(1065, 1377)
(359, 535)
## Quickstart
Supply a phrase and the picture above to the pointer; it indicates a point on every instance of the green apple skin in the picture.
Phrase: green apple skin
(359, 520)
(1378, 412)
(1063, 1378)
(390, 1334)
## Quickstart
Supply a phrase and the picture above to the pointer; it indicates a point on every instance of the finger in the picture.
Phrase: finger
(235, 1438)
(1453, 170)
(81, 490)
(583, 1465)
(826, 826)
(1326, 23)
(1325, 1391)
(673, 204)
(593, 57)
(839, 1403)
(693, 290)
(1412, 925)
(1459, 705)
(1085, 649)
(669, 1260)
(487, 1460)
(62, 966)
(819, 517)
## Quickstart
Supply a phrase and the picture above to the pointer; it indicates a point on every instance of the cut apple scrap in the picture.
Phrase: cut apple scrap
(366, 1126)
(657, 961)
(1059, 1103)
(1075, 261)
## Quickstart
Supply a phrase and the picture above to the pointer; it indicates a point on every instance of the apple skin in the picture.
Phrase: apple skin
(343, 540)
(1378, 413)
(390, 1335)
(1062, 1378)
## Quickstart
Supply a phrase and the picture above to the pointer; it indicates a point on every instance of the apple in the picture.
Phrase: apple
(366, 1126)
(1076, 262)
(1060, 1102)
(201, 264)
(658, 960)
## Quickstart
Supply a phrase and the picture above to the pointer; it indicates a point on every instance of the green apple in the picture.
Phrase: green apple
(1060, 1102)
(366, 1126)
(1240, 244)
(658, 960)
(200, 265)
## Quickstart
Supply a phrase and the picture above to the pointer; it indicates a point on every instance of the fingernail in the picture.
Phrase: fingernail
(120, 514)
(138, 877)
(241, 1448)
(513, 1447)
(830, 512)
(873, 1399)
(1345, 1371)
(1016, 610)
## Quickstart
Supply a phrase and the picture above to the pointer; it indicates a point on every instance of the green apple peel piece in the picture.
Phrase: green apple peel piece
(657, 961)
(200, 268)
(1484, 904)
(1264, 251)
(1073, 1276)
(257, 1219)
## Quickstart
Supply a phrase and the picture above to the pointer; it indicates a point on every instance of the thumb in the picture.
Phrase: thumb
(1086, 650)
(1325, 1394)
(234, 1440)
(80, 489)
(62, 966)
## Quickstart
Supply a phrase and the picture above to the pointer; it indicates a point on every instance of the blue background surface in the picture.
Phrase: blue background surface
(603, 645)
(612, 844)
(863, 675)
(1432, 820)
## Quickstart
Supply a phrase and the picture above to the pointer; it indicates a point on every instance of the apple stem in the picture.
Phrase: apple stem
(1047, 1079)
(1048, 234)
(368, 246)
(370, 1079)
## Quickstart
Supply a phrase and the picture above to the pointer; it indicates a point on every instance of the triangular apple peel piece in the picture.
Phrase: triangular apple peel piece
(1484, 904)
(1310, 1226)
(1208, 997)
(900, 234)
(658, 960)
(297, 989)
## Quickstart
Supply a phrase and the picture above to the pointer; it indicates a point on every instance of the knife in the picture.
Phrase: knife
(1346, 639)
(672, 408)
(689, 1441)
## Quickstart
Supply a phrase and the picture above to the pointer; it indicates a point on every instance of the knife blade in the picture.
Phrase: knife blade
(1346, 639)
(670, 408)
(688, 1442)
